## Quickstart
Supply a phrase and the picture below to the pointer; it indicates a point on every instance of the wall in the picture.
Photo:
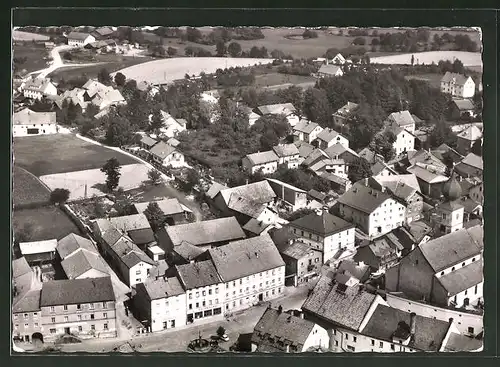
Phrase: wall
(43, 129)
(168, 313)
(175, 160)
(93, 273)
(405, 142)
(414, 208)
(318, 338)
(138, 273)
(205, 300)
(26, 324)
(476, 193)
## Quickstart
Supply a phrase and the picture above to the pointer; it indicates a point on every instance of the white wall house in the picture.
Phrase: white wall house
(458, 85)
(476, 193)
(28, 123)
(266, 161)
(306, 131)
(167, 155)
(78, 39)
(38, 88)
(405, 141)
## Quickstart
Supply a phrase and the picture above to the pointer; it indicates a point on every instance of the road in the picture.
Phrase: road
(176, 340)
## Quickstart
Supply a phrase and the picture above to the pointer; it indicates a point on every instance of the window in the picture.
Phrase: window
(475, 289)
(442, 273)
(105, 315)
(52, 331)
(106, 326)
(351, 348)
(78, 307)
(15, 316)
(36, 324)
(197, 294)
(354, 339)
(91, 306)
(138, 272)
(66, 319)
(26, 325)
(216, 301)
(336, 343)
(190, 306)
(53, 320)
(210, 302)
(92, 327)
(190, 296)
(197, 304)
(203, 303)
(209, 291)
(381, 345)
(25, 315)
(373, 342)
(79, 317)
(92, 316)
(241, 281)
(216, 290)
(234, 292)
(465, 292)
(204, 293)
(453, 269)
(80, 329)
(104, 305)
(393, 347)
(346, 336)
(52, 309)
(234, 284)
(470, 329)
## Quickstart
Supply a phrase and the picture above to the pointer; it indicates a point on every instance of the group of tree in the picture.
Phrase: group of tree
(298, 67)
(156, 217)
(197, 52)
(112, 171)
(462, 42)
(309, 34)
(235, 77)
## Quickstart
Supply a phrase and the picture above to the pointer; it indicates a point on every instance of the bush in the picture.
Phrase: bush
(309, 34)
(359, 41)
(59, 196)
(67, 56)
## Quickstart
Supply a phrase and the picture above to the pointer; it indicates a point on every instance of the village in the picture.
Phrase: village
(339, 214)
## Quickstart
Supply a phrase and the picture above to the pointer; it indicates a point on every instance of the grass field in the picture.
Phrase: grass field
(59, 153)
(92, 182)
(48, 223)
(467, 58)
(26, 36)
(266, 80)
(27, 188)
(433, 79)
(34, 54)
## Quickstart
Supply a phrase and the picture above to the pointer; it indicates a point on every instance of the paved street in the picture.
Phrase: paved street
(176, 340)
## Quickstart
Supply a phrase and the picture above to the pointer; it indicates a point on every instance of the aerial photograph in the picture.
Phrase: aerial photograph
(246, 190)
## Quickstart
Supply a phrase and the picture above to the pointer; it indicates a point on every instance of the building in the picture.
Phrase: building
(380, 253)
(252, 213)
(470, 166)
(38, 252)
(404, 140)
(173, 211)
(147, 143)
(446, 271)
(329, 137)
(360, 271)
(266, 162)
(330, 71)
(425, 159)
(78, 39)
(344, 112)
(204, 290)
(252, 271)
(430, 182)
(205, 234)
(167, 155)
(339, 185)
(80, 259)
(102, 33)
(461, 109)
(288, 154)
(289, 196)
(130, 262)
(458, 85)
(340, 151)
(28, 123)
(374, 212)
(84, 308)
(162, 303)
(467, 138)
(326, 232)
(37, 88)
(305, 149)
(259, 192)
(136, 227)
(476, 192)
(302, 261)
(171, 127)
(278, 331)
(184, 254)
(402, 119)
(285, 109)
(306, 131)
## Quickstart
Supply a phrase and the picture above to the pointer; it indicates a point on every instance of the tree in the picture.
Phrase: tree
(91, 110)
(359, 169)
(359, 41)
(104, 77)
(171, 51)
(382, 145)
(458, 67)
(412, 59)
(156, 121)
(268, 140)
(192, 179)
(59, 196)
(119, 131)
(441, 133)
(309, 34)
(316, 106)
(120, 79)
(155, 216)
(234, 49)
(220, 48)
(331, 53)
(221, 331)
(112, 171)
(97, 207)
(277, 54)
(154, 176)
(123, 203)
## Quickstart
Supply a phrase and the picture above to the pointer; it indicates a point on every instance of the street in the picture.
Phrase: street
(176, 340)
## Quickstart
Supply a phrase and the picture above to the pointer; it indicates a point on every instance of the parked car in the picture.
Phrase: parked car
(224, 338)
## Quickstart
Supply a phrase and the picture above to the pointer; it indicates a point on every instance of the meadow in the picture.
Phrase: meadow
(27, 189)
(467, 58)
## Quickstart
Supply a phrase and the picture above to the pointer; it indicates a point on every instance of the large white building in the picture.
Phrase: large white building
(27, 123)
(458, 85)
(266, 161)
(37, 88)
(79, 39)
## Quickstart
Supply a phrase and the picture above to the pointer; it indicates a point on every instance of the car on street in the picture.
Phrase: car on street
(224, 338)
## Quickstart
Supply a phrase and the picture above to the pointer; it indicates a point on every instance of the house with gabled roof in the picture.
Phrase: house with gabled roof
(304, 148)
(458, 85)
(79, 39)
(27, 123)
(166, 155)
(339, 151)
(344, 112)
(136, 227)
(37, 88)
(402, 119)
(171, 127)
(430, 181)
(266, 161)
(286, 109)
(173, 210)
(404, 139)
(306, 130)
(288, 154)
(102, 33)
(470, 166)
(293, 198)
(445, 271)
(328, 70)
(461, 109)
(328, 137)
(466, 139)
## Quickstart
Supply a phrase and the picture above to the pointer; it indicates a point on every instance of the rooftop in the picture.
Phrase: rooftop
(330, 69)
(162, 150)
(73, 242)
(305, 126)
(297, 249)
(464, 104)
(363, 198)
(20, 267)
(198, 274)
(462, 343)
(262, 157)
(37, 247)
(426, 175)
(277, 109)
(327, 135)
(146, 140)
(349, 107)
(324, 224)
(163, 288)
(78, 263)
(304, 148)
(187, 251)
(457, 78)
(401, 118)
(76, 291)
(28, 117)
(260, 192)
(77, 36)
(130, 222)
(27, 302)
(463, 278)
(473, 160)
(286, 150)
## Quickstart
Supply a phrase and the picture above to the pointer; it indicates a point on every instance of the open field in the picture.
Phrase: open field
(92, 182)
(47, 222)
(34, 54)
(167, 70)
(59, 153)
(27, 189)
(433, 79)
(25, 36)
(467, 58)
(266, 80)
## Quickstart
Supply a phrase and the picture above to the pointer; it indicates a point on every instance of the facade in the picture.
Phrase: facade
(167, 155)
(28, 123)
(402, 119)
(467, 138)
(449, 217)
(330, 71)
(81, 307)
(78, 39)
(329, 137)
(38, 252)
(302, 261)
(461, 109)
(36, 88)
(267, 162)
(405, 140)
(325, 232)
(288, 154)
(162, 302)
(26, 316)
(290, 196)
(374, 212)
(380, 254)
(306, 131)
(458, 85)
(476, 193)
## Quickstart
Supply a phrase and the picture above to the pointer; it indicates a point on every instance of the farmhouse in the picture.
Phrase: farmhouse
(306, 131)
(37, 88)
(458, 85)
(329, 137)
(288, 154)
(467, 138)
(171, 127)
(329, 71)
(266, 161)
(167, 155)
(28, 123)
(39, 252)
(461, 108)
(102, 33)
(79, 39)
(344, 112)
(286, 109)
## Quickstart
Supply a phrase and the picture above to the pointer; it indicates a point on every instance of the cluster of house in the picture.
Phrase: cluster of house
(82, 39)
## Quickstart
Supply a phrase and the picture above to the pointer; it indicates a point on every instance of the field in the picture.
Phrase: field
(433, 79)
(86, 183)
(266, 80)
(167, 70)
(59, 153)
(25, 36)
(467, 58)
(47, 223)
(27, 188)
(34, 54)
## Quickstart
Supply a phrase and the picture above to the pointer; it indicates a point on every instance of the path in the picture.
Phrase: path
(172, 191)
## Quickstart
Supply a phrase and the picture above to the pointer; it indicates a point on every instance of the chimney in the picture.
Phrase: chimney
(301, 315)
(280, 309)
(366, 181)
(450, 320)
(287, 348)
(413, 316)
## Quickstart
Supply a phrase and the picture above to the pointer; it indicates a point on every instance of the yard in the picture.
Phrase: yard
(270, 79)
(26, 36)
(36, 56)
(27, 189)
(47, 223)
(60, 153)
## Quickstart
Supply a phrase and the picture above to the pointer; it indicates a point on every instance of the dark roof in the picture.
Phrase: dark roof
(363, 198)
(82, 261)
(324, 224)
(142, 236)
(246, 257)
(452, 248)
(78, 36)
(20, 267)
(198, 274)
(405, 237)
(459, 78)
(187, 251)
(316, 195)
(76, 291)
(462, 343)
(162, 287)
(464, 105)
(297, 249)
(73, 242)
(245, 205)
(463, 278)
(162, 150)
(28, 302)
(304, 148)
(276, 326)
(255, 226)
(346, 308)
(385, 320)
(146, 140)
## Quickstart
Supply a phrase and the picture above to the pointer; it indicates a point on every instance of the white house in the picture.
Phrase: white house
(288, 154)
(171, 126)
(162, 302)
(79, 39)
(307, 131)
(330, 71)
(36, 88)
(266, 161)
(28, 123)
(286, 109)
(338, 60)
(405, 140)
(458, 85)
(325, 232)
(329, 137)
(402, 119)
(167, 155)
(476, 193)
(374, 212)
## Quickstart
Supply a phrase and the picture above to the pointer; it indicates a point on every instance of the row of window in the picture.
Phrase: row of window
(203, 293)
(92, 317)
(79, 306)
(80, 328)
(355, 339)
(203, 304)
(26, 325)
(273, 281)
(247, 279)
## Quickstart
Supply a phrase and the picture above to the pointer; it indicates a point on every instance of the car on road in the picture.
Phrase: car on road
(224, 338)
